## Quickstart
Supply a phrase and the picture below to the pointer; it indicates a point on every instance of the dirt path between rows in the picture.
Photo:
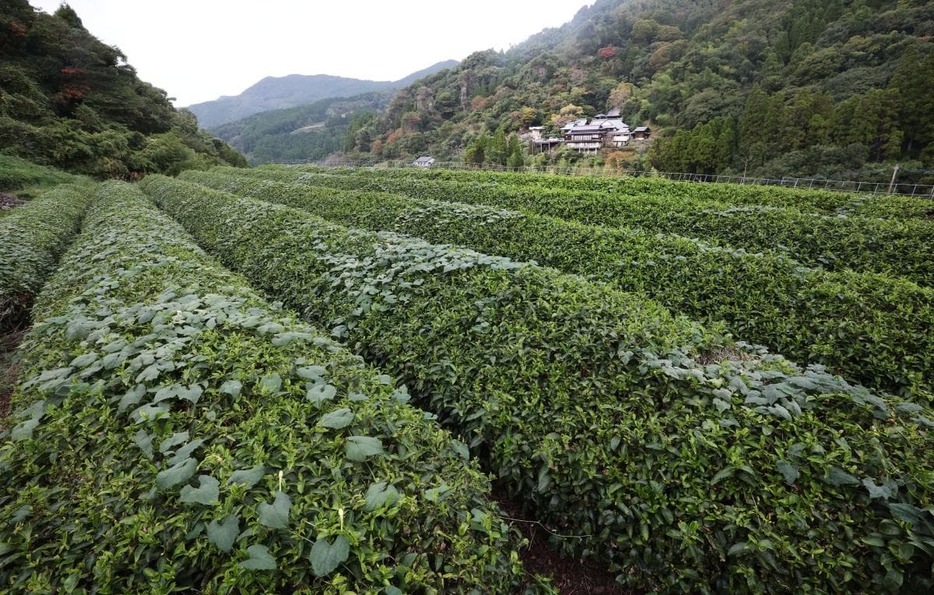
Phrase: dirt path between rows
(569, 576)
(9, 201)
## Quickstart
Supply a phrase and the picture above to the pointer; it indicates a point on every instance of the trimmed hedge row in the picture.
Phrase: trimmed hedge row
(896, 248)
(182, 434)
(32, 237)
(867, 327)
(812, 201)
(684, 462)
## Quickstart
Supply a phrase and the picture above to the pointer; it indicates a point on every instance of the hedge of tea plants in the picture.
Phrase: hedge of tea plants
(32, 238)
(805, 199)
(868, 327)
(896, 248)
(178, 433)
(683, 461)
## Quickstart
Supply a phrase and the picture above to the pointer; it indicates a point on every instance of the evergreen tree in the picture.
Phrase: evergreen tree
(514, 149)
(476, 151)
(912, 87)
(497, 151)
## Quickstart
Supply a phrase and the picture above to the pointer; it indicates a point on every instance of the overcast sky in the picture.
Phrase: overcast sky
(198, 50)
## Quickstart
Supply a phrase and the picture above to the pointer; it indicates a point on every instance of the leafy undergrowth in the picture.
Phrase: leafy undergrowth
(17, 173)
(680, 460)
(176, 432)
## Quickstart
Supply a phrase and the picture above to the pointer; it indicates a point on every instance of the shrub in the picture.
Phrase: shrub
(32, 238)
(892, 247)
(867, 327)
(683, 461)
(181, 434)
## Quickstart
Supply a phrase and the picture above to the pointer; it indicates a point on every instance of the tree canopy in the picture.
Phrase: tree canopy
(71, 101)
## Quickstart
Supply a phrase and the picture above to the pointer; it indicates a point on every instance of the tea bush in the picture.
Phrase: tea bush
(807, 200)
(32, 238)
(178, 433)
(683, 461)
(892, 247)
(867, 327)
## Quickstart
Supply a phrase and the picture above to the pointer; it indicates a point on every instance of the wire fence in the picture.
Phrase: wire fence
(851, 186)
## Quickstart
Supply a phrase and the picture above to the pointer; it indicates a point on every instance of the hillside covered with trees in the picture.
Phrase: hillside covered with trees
(295, 90)
(70, 101)
(766, 87)
(308, 132)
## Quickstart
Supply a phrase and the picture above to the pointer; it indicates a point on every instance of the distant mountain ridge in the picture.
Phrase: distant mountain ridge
(272, 93)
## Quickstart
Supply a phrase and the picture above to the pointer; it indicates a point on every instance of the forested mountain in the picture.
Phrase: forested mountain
(308, 132)
(273, 93)
(70, 101)
(770, 87)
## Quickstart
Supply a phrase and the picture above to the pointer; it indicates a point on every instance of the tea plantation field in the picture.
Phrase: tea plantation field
(310, 380)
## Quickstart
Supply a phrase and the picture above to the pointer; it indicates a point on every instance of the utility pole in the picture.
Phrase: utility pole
(892, 183)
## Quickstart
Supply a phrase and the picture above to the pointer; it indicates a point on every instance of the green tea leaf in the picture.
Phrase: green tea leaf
(838, 477)
(326, 555)
(232, 388)
(207, 493)
(724, 473)
(225, 533)
(788, 471)
(358, 448)
(176, 474)
(381, 494)
(247, 477)
(320, 393)
(275, 515)
(260, 559)
(144, 442)
(270, 383)
(336, 420)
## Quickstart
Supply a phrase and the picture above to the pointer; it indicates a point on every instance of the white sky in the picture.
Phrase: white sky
(198, 50)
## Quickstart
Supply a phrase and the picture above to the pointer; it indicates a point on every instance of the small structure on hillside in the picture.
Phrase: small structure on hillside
(424, 162)
(642, 133)
(605, 130)
(585, 139)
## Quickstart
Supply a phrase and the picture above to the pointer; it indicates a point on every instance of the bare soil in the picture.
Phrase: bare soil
(9, 369)
(569, 576)
(8, 201)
